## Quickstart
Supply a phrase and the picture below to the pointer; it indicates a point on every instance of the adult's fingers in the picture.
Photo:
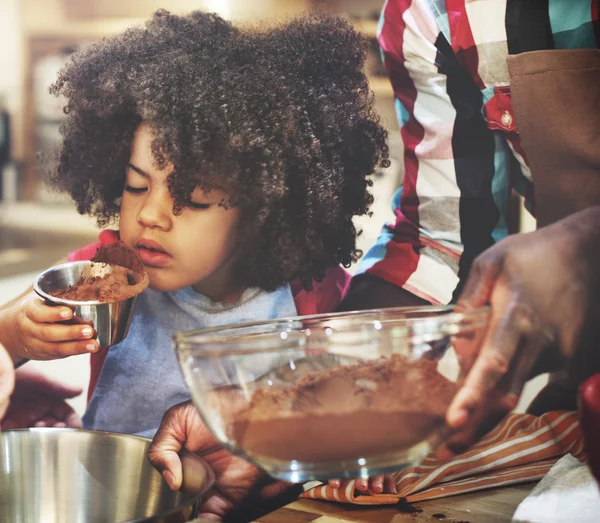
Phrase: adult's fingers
(46, 421)
(41, 414)
(510, 321)
(215, 506)
(22, 415)
(73, 420)
(165, 447)
(181, 427)
(30, 381)
(61, 390)
(362, 485)
(376, 484)
(531, 348)
(480, 283)
(389, 485)
(64, 413)
(482, 421)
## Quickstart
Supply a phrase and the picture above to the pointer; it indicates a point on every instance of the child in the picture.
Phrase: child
(234, 161)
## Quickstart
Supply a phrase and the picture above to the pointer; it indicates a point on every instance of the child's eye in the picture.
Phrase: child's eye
(195, 205)
(135, 190)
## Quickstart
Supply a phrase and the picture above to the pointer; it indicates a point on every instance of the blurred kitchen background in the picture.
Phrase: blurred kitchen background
(39, 227)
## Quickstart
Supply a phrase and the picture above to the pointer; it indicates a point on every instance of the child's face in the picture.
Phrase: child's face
(196, 248)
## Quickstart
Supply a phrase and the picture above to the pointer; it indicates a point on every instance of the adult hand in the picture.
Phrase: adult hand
(235, 478)
(39, 401)
(7, 380)
(544, 292)
(381, 484)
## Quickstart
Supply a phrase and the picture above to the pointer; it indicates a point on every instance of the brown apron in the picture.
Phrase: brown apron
(556, 100)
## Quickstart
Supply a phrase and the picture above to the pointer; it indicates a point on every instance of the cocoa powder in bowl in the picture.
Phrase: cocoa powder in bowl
(368, 409)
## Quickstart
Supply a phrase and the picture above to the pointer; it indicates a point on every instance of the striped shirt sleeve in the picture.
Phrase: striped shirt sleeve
(448, 209)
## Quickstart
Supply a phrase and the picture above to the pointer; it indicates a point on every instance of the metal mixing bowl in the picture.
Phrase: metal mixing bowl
(331, 395)
(80, 476)
(110, 320)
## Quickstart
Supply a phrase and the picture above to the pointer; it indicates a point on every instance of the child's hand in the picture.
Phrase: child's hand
(42, 336)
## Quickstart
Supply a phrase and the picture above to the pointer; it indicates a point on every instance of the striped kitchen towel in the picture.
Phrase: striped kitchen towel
(521, 448)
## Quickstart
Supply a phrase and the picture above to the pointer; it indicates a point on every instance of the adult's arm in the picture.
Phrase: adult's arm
(446, 211)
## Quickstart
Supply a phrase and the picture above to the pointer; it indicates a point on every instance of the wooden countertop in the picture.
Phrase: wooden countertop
(488, 506)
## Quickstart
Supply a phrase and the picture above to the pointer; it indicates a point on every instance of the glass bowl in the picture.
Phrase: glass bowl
(331, 395)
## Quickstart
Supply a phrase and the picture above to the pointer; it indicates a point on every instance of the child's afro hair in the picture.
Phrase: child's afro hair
(280, 118)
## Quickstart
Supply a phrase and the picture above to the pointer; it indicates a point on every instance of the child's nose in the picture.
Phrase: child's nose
(156, 211)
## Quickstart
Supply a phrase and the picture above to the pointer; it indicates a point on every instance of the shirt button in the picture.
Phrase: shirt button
(506, 119)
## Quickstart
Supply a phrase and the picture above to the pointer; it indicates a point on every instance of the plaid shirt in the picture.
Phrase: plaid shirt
(446, 60)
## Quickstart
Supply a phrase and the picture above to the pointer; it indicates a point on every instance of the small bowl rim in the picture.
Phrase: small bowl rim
(63, 301)
(195, 498)
(182, 341)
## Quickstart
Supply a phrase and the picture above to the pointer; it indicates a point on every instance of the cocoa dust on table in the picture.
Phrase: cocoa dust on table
(405, 507)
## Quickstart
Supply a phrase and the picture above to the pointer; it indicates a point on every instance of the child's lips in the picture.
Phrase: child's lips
(153, 258)
(152, 254)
